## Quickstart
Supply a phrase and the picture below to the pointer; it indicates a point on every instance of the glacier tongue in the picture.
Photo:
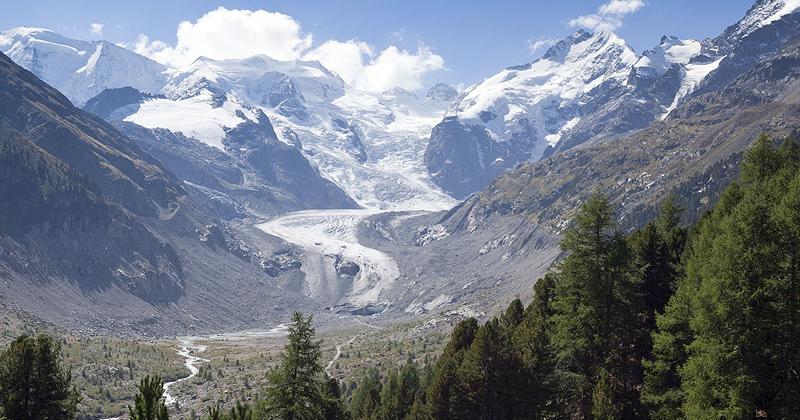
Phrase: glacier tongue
(330, 234)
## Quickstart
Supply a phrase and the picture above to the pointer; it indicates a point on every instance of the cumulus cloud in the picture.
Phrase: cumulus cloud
(363, 69)
(620, 7)
(96, 28)
(226, 34)
(535, 45)
(609, 15)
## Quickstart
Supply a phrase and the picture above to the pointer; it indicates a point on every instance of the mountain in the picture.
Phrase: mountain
(520, 112)
(97, 235)
(591, 88)
(495, 243)
(369, 144)
(70, 179)
(80, 69)
(253, 168)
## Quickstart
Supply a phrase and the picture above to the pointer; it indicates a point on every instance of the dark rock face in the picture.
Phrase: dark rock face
(353, 143)
(346, 268)
(255, 145)
(116, 165)
(741, 54)
(281, 262)
(111, 100)
(463, 159)
(279, 91)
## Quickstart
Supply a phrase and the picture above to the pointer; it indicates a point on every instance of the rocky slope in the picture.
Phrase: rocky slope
(498, 242)
(96, 235)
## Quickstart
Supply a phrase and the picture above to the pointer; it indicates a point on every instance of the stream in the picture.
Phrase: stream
(187, 351)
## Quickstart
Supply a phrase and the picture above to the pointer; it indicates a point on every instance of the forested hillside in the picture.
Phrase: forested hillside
(664, 323)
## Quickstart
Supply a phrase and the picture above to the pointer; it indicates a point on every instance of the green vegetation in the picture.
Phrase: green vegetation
(663, 323)
(726, 345)
(107, 370)
(148, 402)
(297, 389)
(33, 382)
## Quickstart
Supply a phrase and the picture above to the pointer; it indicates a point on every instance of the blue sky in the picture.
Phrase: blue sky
(474, 39)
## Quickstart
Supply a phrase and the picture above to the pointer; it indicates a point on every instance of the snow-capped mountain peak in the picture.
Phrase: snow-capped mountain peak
(442, 92)
(558, 52)
(80, 69)
(669, 51)
(559, 80)
(763, 13)
(257, 77)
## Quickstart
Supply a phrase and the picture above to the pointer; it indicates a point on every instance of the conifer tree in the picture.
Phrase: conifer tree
(294, 385)
(33, 382)
(596, 323)
(148, 403)
(604, 406)
(366, 399)
(489, 382)
(743, 311)
(658, 248)
(441, 393)
(532, 342)
(333, 406)
(214, 413)
(240, 411)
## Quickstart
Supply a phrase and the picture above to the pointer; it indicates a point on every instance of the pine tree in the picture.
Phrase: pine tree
(333, 407)
(399, 392)
(603, 398)
(744, 316)
(596, 306)
(214, 413)
(240, 411)
(294, 385)
(390, 397)
(33, 382)
(441, 393)
(532, 342)
(489, 382)
(658, 248)
(148, 404)
(366, 399)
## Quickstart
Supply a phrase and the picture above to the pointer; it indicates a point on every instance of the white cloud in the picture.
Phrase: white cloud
(609, 15)
(226, 34)
(96, 28)
(535, 45)
(620, 7)
(356, 63)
